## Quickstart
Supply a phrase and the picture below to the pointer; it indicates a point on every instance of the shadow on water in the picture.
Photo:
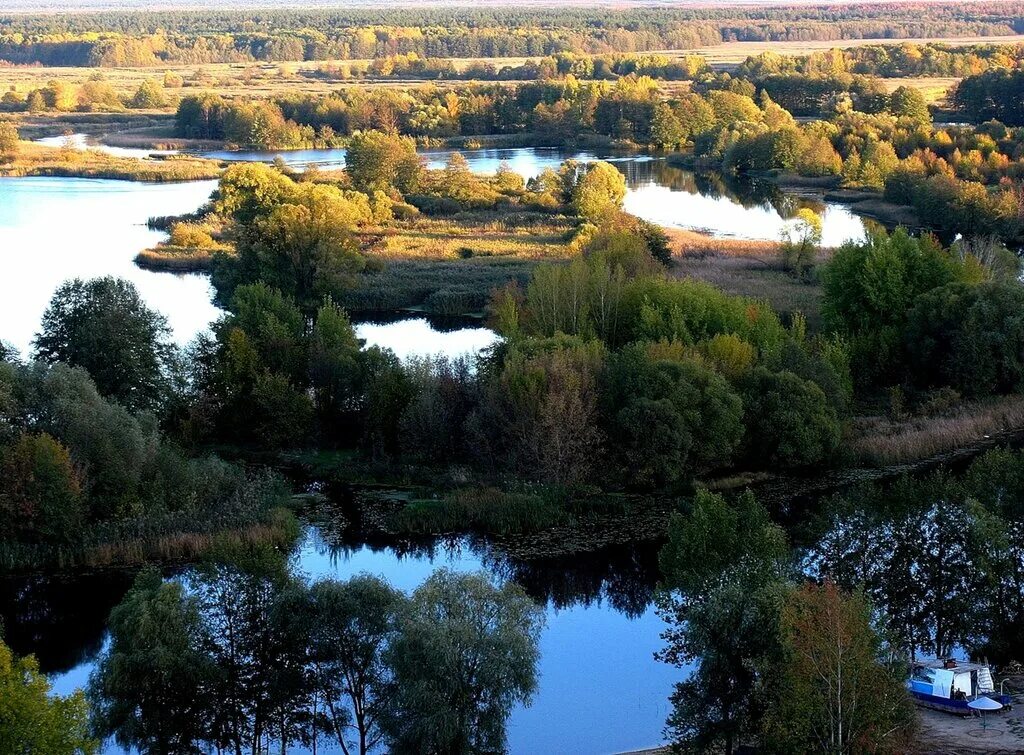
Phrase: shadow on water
(60, 620)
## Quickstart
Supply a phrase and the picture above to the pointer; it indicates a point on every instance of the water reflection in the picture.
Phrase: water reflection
(84, 142)
(600, 688)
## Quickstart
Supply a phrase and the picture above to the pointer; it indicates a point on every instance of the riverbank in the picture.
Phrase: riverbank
(68, 162)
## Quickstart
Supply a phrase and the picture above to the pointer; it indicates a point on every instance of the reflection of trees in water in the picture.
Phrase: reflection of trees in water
(624, 576)
(750, 193)
(61, 620)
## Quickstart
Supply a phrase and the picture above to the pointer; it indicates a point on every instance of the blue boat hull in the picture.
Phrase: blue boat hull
(954, 706)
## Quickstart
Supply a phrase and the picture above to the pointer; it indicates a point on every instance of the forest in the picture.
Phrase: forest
(157, 38)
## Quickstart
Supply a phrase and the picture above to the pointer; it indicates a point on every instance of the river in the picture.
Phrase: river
(52, 229)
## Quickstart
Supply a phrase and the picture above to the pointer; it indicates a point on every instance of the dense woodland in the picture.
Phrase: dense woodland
(157, 38)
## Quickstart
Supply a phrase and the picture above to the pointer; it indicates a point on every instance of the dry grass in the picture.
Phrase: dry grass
(177, 259)
(882, 441)
(745, 268)
(472, 235)
(37, 160)
(934, 88)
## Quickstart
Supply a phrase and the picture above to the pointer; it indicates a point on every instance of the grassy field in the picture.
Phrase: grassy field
(746, 268)
(522, 235)
(263, 79)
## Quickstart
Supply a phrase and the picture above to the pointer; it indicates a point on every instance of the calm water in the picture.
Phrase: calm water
(422, 337)
(52, 229)
(600, 688)
(82, 142)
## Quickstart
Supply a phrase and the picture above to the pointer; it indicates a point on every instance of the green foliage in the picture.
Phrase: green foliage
(40, 490)
(32, 720)
(478, 643)
(969, 337)
(835, 694)
(9, 141)
(908, 102)
(376, 161)
(149, 690)
(103, 326)
(870, 289)
(149, 96)
(598, 191)
(723, 565)
(668, 419)
(789, 421)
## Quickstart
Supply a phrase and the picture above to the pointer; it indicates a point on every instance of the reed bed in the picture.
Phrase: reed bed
(882, 441)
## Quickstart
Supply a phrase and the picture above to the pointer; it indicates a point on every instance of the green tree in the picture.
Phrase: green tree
(376, 161)
(352, 626)
(598, 191)
(150, 688)
(465, 653)
(832, 693)
(40, 489)
(668, 418)
(666, 130)
(723, 567)
(149, 96)
(103, 326)
(32, 720)
(789, 421)
(334, 363)
(908, 102)
(10, 143)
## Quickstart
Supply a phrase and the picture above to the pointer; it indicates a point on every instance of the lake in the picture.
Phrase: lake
(600, 688)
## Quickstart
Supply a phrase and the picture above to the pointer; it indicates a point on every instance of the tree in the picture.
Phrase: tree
(835, 694)
(40, 489)
(352, 626)
(723, 567)
(789, 421)
(599, 191)
(9, 141)
(334, 367)
(149, 96)
(908, 102)
(465, 652)
(103, 326)
(376, 161)
(32, 720)
(666, 130)
(668, 418)
(306, 250)
(801, 238)
(149, 690)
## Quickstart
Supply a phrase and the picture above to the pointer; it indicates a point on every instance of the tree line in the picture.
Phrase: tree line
(158, 38)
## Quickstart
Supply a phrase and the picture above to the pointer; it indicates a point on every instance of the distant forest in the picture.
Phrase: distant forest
(153, 38)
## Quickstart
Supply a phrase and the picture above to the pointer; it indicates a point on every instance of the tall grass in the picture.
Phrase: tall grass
(170, 538)
(882, 441)
(438, 287)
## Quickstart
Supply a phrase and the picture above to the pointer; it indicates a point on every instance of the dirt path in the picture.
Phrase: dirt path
(947, 734)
